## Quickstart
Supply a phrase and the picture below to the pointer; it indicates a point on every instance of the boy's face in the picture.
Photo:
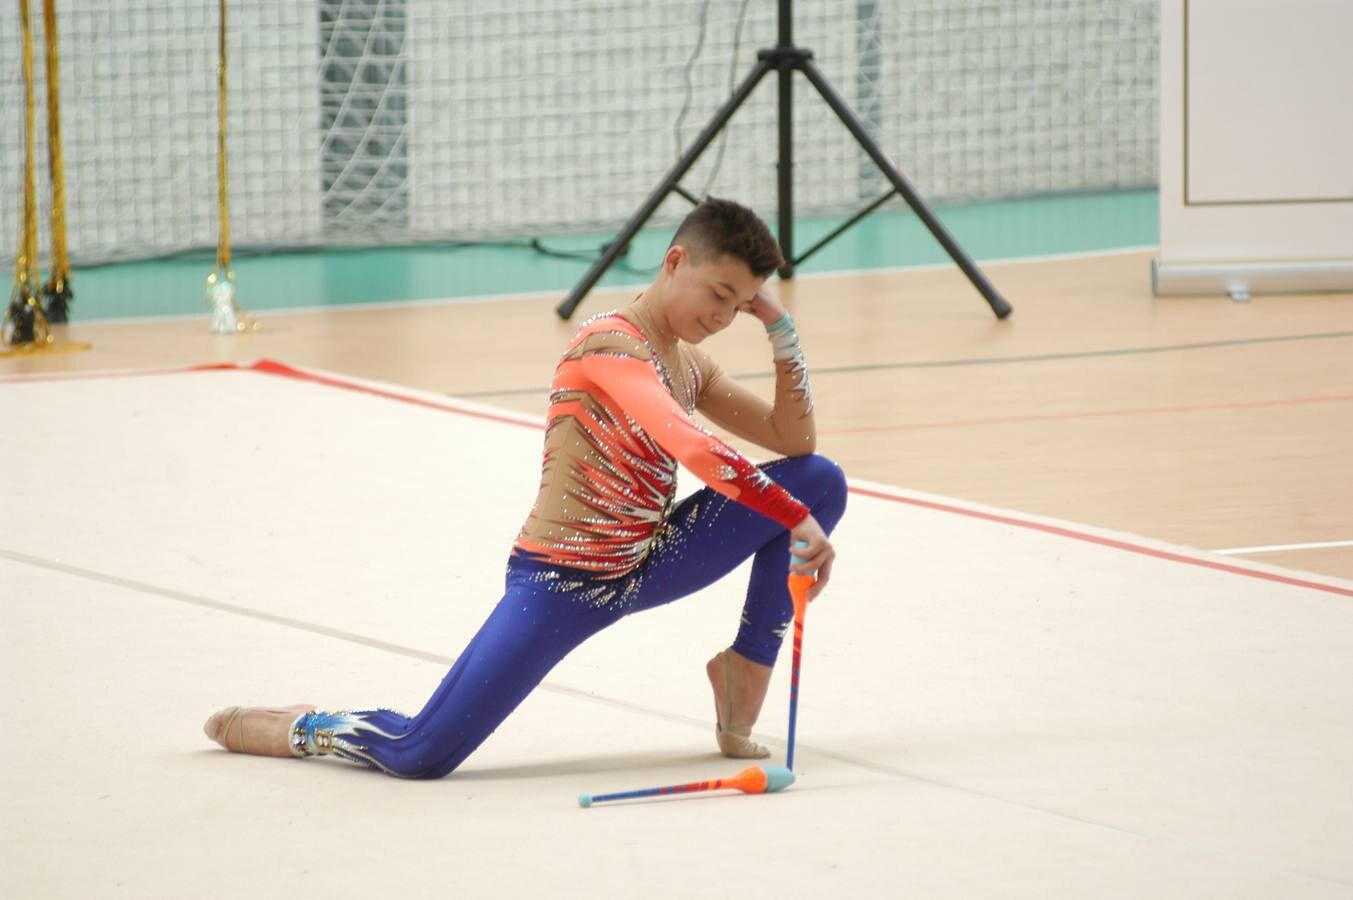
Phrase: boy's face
(702, 298)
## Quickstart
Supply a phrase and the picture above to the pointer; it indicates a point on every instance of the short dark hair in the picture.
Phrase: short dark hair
(723, 228)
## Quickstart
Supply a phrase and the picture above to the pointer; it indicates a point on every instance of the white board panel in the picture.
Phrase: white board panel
(1270, 100)
(1256, 168)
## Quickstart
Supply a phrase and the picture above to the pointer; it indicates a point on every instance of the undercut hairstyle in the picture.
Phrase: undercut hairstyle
(718, 228)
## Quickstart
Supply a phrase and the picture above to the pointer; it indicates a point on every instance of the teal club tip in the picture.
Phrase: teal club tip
(777, 778)
(794, 558)
(585, 800)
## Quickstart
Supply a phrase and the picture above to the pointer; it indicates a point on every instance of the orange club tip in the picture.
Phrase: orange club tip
(798, 591)
(749, 781)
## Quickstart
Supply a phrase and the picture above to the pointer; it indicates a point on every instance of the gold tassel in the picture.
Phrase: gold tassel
(25, 323)
(26, 329)
(226, 315)
(57, 293)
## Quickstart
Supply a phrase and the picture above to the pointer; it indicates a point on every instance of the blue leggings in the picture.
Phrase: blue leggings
(548, 610)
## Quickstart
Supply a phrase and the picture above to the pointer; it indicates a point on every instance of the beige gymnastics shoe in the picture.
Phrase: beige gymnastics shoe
(258, 730)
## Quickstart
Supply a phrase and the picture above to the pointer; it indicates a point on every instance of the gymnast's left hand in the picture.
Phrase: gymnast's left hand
(764, 306)
(817, 557)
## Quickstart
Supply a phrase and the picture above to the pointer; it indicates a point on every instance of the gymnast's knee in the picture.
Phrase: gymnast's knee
(826, 485)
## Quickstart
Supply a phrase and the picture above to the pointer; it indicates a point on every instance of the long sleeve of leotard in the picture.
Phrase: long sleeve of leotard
(635, 385)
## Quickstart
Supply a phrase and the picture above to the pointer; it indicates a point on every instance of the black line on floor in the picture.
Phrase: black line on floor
(982, 361)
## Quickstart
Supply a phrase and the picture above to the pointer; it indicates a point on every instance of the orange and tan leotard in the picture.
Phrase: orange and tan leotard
(619, 422)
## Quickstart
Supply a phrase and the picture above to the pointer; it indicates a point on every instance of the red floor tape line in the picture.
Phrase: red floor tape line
(272, 367)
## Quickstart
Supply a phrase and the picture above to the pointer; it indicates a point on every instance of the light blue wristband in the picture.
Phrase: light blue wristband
(784, 340)
(784, 347)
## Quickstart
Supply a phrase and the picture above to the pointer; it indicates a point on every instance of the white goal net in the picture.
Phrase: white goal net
(398, 121)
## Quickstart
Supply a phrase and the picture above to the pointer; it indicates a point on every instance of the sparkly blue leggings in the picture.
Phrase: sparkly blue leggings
(546, 611)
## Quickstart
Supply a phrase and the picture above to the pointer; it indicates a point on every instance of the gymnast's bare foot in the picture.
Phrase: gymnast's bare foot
(740, 687)
(259, 730)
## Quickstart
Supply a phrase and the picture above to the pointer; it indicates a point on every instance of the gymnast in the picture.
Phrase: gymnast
(605, 538)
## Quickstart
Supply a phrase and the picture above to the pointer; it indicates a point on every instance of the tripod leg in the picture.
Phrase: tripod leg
(786, 170)
(668, 184)
(918, 205)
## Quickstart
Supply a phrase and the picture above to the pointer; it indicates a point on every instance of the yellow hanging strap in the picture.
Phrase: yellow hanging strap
(57, 291)
(24, 321)
(223, 246)
(226, 315)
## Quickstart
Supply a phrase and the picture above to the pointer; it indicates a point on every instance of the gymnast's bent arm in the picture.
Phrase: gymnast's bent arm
(788, 427)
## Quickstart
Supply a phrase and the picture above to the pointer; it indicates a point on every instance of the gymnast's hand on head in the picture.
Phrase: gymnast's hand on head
(764, 306)
(818, 556)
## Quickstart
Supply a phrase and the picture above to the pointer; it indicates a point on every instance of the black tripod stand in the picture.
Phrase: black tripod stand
(784, 58)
